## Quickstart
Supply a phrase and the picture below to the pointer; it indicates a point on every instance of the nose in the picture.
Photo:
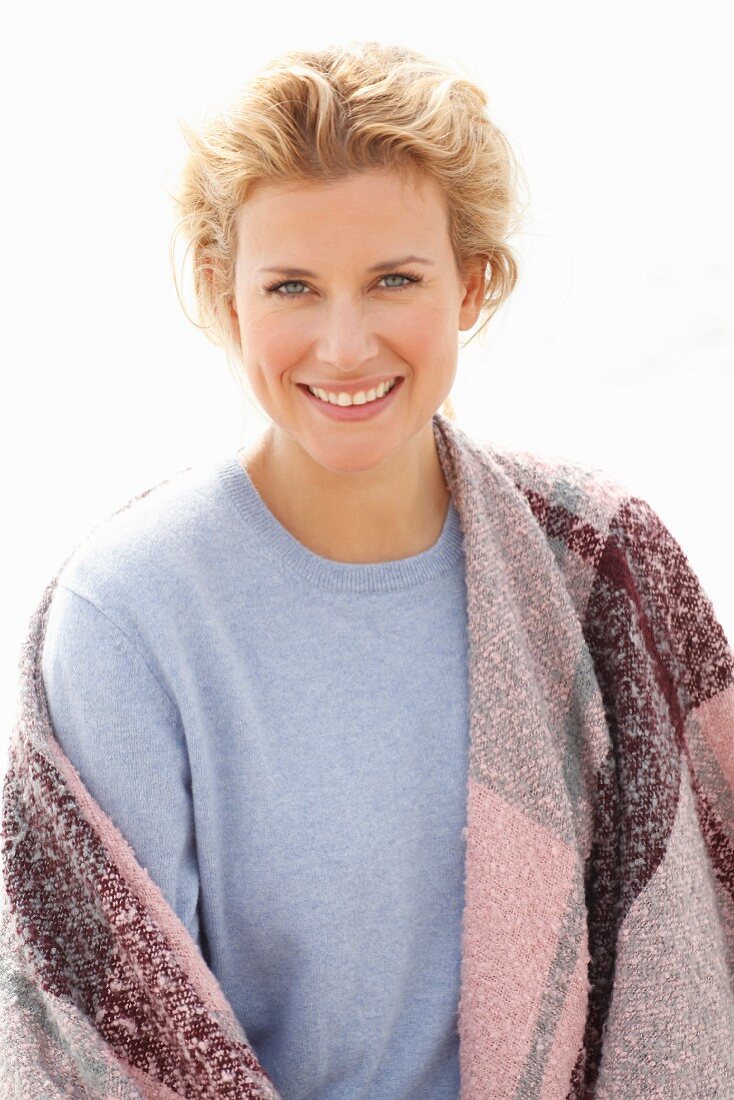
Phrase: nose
(346, 339)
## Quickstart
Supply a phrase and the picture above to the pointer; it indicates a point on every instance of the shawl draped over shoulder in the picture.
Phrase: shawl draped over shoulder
(598, 926)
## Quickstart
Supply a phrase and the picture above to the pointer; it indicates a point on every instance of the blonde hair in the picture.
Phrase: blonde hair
(320, 115)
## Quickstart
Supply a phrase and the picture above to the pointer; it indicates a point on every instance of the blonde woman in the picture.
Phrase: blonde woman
(377, 762)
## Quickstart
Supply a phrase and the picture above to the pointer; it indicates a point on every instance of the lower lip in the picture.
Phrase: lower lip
(352, 412)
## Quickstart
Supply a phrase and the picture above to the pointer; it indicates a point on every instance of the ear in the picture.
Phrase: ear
(473, 281)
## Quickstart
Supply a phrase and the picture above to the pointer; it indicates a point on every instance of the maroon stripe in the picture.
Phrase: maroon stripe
(658, 652)
(579, 535)
(109, 971)
(701, 661)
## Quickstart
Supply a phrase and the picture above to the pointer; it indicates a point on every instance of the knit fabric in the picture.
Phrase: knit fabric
(598, 927)
(283, 740)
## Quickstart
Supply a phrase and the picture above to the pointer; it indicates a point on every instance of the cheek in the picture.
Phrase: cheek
(424, 340)
(419, 337)
(273, 349)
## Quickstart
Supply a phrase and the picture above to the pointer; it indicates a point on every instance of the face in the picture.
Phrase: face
(353, 318)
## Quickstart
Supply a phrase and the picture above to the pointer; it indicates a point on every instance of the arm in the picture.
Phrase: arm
(123, 734)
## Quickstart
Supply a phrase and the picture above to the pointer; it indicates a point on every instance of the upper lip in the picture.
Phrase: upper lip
(364, 384)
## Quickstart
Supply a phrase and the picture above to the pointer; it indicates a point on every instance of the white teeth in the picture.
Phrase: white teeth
(360, 398)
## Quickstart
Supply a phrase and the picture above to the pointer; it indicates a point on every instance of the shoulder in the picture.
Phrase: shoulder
(625, 569)
(583, 508)
(570, 498)
(578, 506)
(142, 544)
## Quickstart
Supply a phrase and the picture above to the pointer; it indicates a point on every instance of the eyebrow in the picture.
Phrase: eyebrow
(297, 272)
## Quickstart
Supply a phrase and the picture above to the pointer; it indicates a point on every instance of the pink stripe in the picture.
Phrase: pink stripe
(569, 1033)
(518, 880)
(715, 718)
(142, 885)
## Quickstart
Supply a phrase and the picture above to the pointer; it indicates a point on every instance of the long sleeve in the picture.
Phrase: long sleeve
(123, 734)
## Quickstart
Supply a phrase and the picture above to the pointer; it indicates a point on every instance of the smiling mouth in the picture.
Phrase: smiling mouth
(358, 405)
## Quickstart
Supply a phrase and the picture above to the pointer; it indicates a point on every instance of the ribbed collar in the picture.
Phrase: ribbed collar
(294, 557)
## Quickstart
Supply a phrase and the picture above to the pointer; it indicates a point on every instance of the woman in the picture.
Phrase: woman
(425, 745)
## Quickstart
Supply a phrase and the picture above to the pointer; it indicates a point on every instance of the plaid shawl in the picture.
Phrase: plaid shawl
(598, 936)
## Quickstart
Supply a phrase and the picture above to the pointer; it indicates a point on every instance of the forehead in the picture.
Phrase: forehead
(369, 203)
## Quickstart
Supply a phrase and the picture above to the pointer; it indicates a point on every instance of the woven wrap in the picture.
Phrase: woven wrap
(598, 931)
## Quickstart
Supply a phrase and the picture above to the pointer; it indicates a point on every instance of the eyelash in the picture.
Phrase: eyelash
(274, 287)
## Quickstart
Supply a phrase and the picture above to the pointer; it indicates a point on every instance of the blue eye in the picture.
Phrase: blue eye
(274, 288)
(400, 275)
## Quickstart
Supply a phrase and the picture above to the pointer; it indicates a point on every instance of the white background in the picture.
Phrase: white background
(615, 349)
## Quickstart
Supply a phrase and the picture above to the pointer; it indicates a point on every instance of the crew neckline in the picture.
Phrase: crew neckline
(294, 557)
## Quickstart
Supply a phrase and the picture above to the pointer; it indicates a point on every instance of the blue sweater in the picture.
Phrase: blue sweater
(283, 740)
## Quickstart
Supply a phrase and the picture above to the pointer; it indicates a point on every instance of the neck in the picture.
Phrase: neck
(391, 511)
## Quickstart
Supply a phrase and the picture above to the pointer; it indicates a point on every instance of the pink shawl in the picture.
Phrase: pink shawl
(598, 935)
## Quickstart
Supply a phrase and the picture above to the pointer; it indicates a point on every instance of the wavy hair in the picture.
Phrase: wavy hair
(323, 114)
